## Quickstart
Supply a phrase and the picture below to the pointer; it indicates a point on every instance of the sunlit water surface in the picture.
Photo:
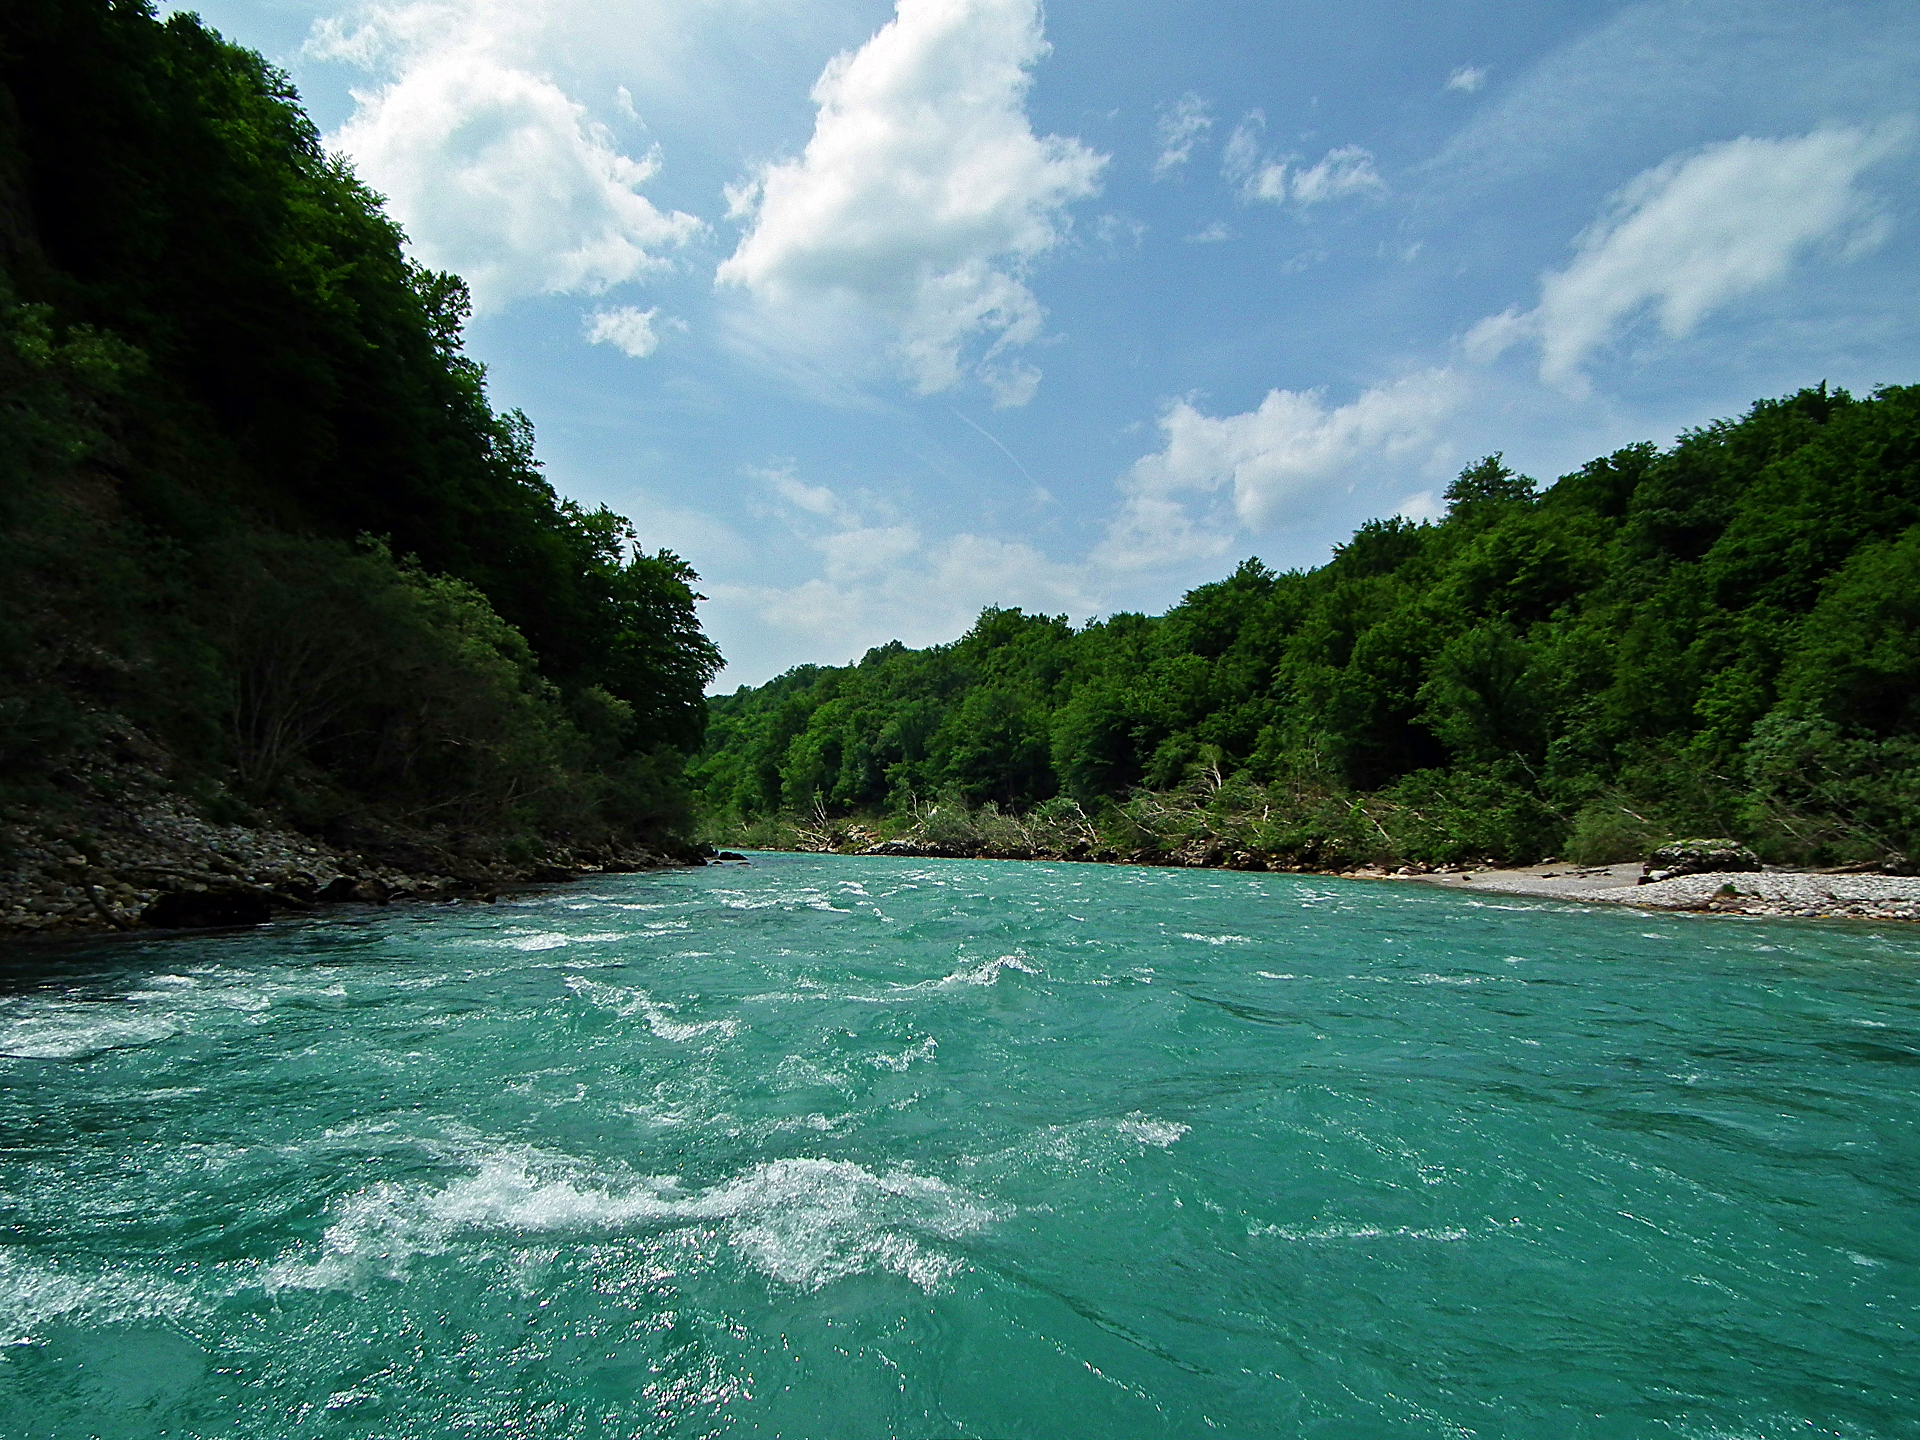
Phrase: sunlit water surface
(863, 1147)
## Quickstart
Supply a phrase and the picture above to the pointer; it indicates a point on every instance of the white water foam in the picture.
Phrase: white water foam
(986, 972)
(1217, 939)
(809, 897)
(32, 1298)
(76, 1030)
(923, 1051)
(1149, 1131)
(1296, 1233)
(803, 1222)
(659, 1014)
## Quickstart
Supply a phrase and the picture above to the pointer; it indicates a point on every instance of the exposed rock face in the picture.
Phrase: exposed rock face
(125, 850)
(1699, 857)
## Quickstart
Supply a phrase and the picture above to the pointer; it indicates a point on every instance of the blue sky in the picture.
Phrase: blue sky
(881, 314)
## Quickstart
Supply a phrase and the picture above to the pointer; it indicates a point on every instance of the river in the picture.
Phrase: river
(837, 1146)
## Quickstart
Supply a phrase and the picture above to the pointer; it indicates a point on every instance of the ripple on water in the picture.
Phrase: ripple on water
(1041, 1150)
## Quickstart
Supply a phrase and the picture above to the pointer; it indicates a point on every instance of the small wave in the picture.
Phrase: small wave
(923, 1051)
(985, 973)
(810, 898)
(79, 1031)
(803, 1222)
(658, 1013)
(1359, 1232)
(1217, 939)
(32, 1298)
(1149, 1131)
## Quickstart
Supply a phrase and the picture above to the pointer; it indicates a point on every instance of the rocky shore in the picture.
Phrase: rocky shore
(1794, 894)
(1755, 891)
(133, 855)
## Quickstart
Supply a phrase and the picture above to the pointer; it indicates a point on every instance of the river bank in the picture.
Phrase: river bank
(1778, 893)
(146, 857)
(1793, 894)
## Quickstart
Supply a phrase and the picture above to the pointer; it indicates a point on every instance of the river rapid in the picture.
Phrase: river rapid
(846, 1146)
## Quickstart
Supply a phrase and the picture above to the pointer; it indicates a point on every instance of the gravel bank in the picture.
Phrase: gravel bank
(1778, 893)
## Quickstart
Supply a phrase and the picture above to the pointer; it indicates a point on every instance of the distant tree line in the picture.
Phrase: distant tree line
(254, 501)
(1719, 637)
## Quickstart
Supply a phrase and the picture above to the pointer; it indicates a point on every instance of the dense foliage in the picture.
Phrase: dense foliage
(254, 502)
(1721, 637)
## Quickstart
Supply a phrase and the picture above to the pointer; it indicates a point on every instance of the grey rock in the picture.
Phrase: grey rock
(1699, 857)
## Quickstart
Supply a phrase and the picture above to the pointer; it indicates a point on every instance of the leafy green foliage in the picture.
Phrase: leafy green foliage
(218, 371)
(1722, 636)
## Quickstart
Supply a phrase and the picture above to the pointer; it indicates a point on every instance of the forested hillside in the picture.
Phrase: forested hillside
(1722, 637)
(259, 526)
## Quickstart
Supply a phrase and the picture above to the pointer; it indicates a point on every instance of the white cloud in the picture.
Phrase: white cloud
(1419, 506)
(1345, 170)
(1653, 76)
(492, 168)
(624, 327)
(922, 199)
(1214, 475)
(1180, 127)
(1467, 79)
(1694, 234)
(880, 578)
(1213, 234)
(814, 499)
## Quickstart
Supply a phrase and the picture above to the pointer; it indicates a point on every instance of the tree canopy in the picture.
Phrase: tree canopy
(222, 377)
(1717, 636)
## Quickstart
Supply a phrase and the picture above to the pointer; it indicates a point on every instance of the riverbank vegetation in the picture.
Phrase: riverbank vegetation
(264, 537)
(1718, 638)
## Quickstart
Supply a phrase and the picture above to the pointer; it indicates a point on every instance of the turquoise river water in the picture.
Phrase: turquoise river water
(828, 1147)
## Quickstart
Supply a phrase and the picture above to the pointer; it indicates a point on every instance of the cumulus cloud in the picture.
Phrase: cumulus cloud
(1694, 234)
(1467, 79)
(1216, 474)
(882, 578)
(1345, 170)
(922, 199)
(492, 168)
(624, 327)
(1181, 126)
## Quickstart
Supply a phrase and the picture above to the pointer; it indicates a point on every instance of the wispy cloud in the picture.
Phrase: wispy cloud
(1467, 79)
(1344, 170)
(1181, 126)
(1694, 234)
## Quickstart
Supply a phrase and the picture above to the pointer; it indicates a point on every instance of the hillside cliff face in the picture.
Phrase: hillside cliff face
(271, 559)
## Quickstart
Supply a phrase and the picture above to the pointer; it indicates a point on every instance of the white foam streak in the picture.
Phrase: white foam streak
(659, 1014)
(1359, 1232)
(985, 973)
(1149, 1131)
(79, 1031)
(31, 1298)
(803, 1222)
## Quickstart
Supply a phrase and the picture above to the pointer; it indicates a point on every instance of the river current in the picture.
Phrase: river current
(825, 1147)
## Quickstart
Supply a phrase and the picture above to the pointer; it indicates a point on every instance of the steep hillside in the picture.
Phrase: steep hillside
(268, 549)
